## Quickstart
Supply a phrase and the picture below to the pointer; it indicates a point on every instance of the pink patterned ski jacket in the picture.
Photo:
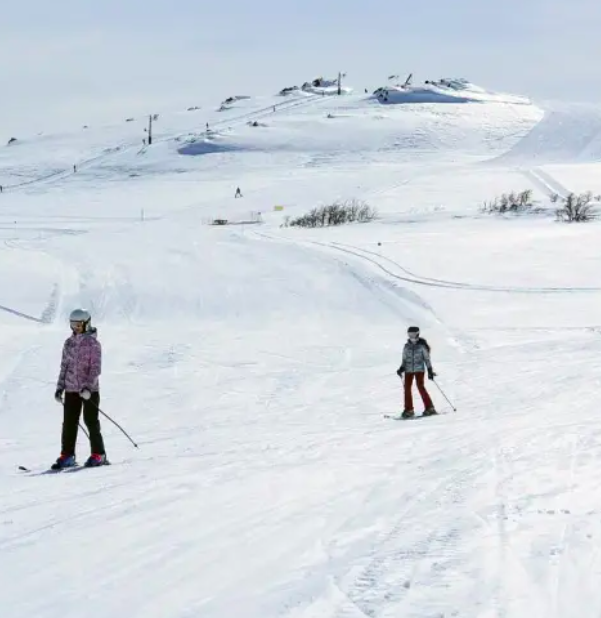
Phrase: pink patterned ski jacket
(81, 363)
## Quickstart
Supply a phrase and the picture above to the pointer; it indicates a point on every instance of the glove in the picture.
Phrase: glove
(431, 374)
(400, 371)
(58, 395)
(85, 394)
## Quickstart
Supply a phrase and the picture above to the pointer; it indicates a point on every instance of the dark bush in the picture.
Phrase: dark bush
(577, 208)
(509, 202)
(338, 213)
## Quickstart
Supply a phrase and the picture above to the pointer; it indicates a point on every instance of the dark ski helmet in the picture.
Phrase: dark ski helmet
(80, 316)
(413, 330)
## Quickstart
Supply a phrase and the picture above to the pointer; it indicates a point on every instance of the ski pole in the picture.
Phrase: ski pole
(443, 394)
(116, 425)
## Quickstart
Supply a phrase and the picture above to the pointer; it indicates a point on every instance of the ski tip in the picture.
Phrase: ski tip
(24, 469)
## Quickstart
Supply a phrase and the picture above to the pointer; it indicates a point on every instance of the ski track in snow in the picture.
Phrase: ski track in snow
(253, 365)
(410, 277)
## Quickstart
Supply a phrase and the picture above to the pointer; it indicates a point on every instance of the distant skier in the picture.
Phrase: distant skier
(75, 169)
(238, 192)
(416, 360)
(80, 369)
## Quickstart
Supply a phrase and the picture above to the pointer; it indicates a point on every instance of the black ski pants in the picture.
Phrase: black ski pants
(72, 407)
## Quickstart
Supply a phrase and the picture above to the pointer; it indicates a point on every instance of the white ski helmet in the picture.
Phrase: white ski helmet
(81, 315)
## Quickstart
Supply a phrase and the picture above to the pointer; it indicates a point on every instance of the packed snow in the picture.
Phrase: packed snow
(253, 362)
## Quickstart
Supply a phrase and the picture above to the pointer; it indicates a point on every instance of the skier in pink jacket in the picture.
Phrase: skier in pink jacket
(78, 382)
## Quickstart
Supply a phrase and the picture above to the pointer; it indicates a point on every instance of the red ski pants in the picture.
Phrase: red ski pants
(421, 387)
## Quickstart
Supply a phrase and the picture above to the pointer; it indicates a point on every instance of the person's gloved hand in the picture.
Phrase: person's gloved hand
(85, 394)
(400, 371)
(58, 395)
(431, 374)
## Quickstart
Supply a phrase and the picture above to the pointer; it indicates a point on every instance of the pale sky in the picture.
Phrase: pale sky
(80, 61)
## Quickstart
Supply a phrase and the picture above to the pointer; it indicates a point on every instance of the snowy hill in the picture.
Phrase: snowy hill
(445, 90)
(253, 363)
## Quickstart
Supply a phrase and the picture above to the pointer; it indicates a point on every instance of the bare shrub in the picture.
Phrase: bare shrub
(337, 213)
(577, 208)
(509, 202)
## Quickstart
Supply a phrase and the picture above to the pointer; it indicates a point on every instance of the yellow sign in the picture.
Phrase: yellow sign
(278, 208)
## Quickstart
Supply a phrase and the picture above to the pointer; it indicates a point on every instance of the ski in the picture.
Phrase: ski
(31, 472)
(411, 418)
(64, 470)
(69, 469)
(79, 467)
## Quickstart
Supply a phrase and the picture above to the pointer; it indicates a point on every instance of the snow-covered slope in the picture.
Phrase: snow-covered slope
(49, 156)
(253, 364)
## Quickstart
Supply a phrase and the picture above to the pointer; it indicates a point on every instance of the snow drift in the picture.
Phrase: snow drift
(198, 146)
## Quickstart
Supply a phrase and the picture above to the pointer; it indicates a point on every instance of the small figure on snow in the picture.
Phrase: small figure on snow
(238, 192)
(416, 360)
(80, 369)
